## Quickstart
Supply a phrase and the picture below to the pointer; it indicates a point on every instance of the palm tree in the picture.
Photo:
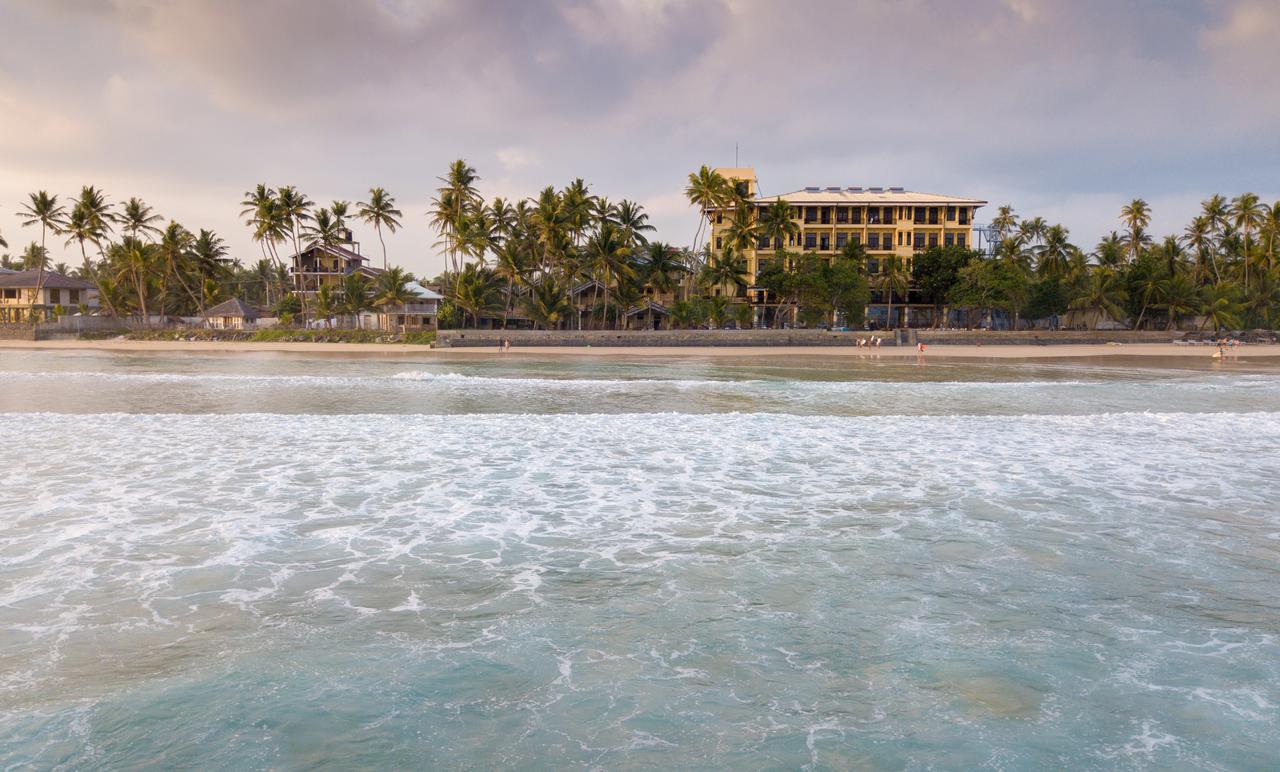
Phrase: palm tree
(340, 210)
(1221, 308)
(1199, 237)
(1217, 211)
(1179, 297)
(476, 291)
(512, 264)
(743, 230)
(1033, 231)
(1271, 230)
(136, 261)
(1136, 216)
(1247, 214)
(661, 267)
(634, 223)
(175, 249)
(326, 304)
(1055, 253)
(44, 210)
(323, 229)
(547, 303)
(1110, 251)
(728, 269)
(707, 190)
(356, 295)
(455, 201)
(138, 218)
(1262, 302)
(391, 290)
(777, 225)
(380, 212)
(578, 205)
(1103, 294)
(609, 253)
(209, 251)
(1004, 222)
(893, 278)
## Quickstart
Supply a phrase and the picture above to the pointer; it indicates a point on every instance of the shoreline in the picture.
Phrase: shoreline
(939, 351)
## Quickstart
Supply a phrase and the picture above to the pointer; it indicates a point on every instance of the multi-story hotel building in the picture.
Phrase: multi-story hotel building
(886, 221)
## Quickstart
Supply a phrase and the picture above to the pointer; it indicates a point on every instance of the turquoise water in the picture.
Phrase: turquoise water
(296, 562)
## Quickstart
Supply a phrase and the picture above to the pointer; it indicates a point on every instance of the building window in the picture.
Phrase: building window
(11, 294)
(810, 240)
(857, 239)
(842, 215)
(873, 241)
(919, 241)
(75, 297)
(719, 243)
(964, 215)
(811, 214)
(825, 243)
(888, 215)
(951, 214)
(856, 216)
(762, 242)
(948, 239)
(742, 188)
(959, 239)
(873, 265)
(55, 297)
(873, 215)
(933, 240)
(918, 216)
(841, 240)
(719, 218)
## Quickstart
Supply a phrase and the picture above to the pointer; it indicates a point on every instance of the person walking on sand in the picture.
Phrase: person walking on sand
(506, 345)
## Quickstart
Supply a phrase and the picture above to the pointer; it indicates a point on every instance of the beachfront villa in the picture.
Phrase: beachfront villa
(233, 314)
(886, 221)
(320, 265)
(19, 298)
(417, 315)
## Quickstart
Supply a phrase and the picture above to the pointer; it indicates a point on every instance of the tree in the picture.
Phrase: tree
(633, 223)
(1222, 307)
(44, 210)
(1179, 297)
(1004, 222)
(174, 250)
(1103, 294)
(991, 285)
(777, 225)
(661, 267)
(138, 218)
(380, 212)
(1136, 216)
(609, 254)
(892, 279)
(455, 201)
(357, 295)
(326, 303)
(476, 292)
(1055, 253)
(391, 289)
(935, 271)
(1247, 214)
(728, 269)
(547, 303)
(707, 190)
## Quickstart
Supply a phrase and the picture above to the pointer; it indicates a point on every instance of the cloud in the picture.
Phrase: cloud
(1065, 109)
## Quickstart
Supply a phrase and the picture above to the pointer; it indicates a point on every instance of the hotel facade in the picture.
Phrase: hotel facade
(886, 221)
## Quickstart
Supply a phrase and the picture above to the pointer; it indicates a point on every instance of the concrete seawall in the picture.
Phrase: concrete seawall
(731, 338)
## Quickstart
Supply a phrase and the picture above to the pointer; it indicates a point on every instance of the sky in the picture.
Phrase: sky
(1065, 109)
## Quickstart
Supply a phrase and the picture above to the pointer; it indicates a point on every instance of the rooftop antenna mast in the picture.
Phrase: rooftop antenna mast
(735, 155)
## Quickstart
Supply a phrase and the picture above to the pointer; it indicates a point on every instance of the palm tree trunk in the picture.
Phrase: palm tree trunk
(378, 227)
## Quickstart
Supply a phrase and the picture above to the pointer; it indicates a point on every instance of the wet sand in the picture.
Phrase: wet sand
(1050, 351)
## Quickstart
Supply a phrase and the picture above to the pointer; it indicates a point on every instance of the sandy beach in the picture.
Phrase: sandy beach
(1054, 351)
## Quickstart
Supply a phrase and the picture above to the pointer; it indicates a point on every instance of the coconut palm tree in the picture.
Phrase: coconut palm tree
(357, 295)
(455, 201)
(175, 247)
(728, 269)
(1247, 214)
(1136, 216)
(1004, 222)
(1262, 301)
(707, 190)
(391, 290)
(340, 211)
(777, 225)
(512, 264)
(743, 229)
(547, 303)
(323, 229)
(326, 303)
(380, 212)
(1198, 235)
(138, 219)
(1110, 251)
(1179, 296)
(42, 209)
(136, 262)
(894, 278)
(661, 267)
(1055, 253)
(578, 204)
(476, 291)
(633, 223)
(209, 251)
(1103, 294)
(1033, 230)
(1221, 308)
(1216, 210)
(607, 251)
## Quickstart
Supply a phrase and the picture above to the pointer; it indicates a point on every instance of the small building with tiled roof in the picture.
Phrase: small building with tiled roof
(42, 293)
(233, 314)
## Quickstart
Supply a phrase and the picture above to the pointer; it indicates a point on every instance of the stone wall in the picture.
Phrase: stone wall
(609, 338)
(17, 332)
(1040, 337)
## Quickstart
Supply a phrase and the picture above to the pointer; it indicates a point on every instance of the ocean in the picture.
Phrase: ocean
(286, 561)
